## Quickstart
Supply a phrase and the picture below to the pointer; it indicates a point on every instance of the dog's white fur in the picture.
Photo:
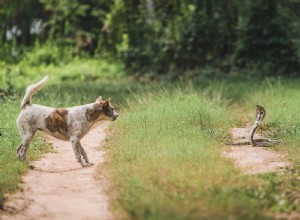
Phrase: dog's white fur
(63, 123)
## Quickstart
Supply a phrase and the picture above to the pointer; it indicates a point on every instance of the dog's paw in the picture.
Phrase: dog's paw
(89, 164)
(22, 157)
(86, 164)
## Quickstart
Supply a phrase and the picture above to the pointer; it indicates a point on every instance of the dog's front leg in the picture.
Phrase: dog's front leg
(84, 155)
(78, 150)
(76, 147)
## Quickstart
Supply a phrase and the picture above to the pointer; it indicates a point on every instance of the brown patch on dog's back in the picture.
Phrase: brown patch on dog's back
(57, 121)
(93, 113)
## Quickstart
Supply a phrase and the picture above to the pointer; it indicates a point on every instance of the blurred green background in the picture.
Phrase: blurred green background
(154, 38)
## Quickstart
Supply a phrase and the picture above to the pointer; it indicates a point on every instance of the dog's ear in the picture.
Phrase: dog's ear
(99, 99)
(107, 103)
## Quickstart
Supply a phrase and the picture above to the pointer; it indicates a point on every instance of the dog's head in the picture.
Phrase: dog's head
(107, 109)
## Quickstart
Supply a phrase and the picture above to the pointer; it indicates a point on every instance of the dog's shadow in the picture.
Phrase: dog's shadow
(56, 171)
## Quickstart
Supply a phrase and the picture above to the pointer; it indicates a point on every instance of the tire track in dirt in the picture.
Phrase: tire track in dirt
(59, 188)
(254, 160)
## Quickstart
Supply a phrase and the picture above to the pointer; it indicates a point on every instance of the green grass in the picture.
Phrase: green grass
(165, 150)
(77, 71)
(11, 168)
(165, 158)
(281, 99)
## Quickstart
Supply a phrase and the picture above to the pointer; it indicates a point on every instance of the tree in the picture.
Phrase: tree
(265, 40)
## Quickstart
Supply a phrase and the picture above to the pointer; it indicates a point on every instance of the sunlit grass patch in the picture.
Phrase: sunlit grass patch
(166, 159)
(281, 99)
(79, 70)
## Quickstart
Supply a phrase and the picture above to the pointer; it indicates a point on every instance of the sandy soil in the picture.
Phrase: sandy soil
(59, 188)
(254, 159)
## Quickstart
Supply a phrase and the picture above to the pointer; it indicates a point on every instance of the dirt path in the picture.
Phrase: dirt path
(59, 188)
(254, 159)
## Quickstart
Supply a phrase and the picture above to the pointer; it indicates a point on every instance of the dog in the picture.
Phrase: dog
(69, 124)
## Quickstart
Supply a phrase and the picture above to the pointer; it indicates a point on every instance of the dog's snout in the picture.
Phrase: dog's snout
(115, 116)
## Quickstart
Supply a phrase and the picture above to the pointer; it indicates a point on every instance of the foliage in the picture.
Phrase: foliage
(164, 36)
(265, 40)
(76, 23)
(159, 37)
(51, 53)
(32, 68)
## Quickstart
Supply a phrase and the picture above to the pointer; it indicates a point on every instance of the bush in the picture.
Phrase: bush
(49, 53)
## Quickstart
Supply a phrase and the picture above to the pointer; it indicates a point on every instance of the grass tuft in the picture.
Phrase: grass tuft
(166, 160)
(11, 168)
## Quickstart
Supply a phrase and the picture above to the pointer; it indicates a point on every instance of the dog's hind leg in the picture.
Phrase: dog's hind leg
(27, 132)
(22, 149)
(19, 149)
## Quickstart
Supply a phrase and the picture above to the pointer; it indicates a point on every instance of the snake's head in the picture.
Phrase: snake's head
(260, 112)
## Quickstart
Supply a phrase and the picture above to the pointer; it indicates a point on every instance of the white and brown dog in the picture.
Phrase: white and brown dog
(63, 123)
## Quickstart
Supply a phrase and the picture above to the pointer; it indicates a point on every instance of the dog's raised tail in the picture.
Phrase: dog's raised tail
(30, 90)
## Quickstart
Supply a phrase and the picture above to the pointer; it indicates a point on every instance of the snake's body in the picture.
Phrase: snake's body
(260, 115)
